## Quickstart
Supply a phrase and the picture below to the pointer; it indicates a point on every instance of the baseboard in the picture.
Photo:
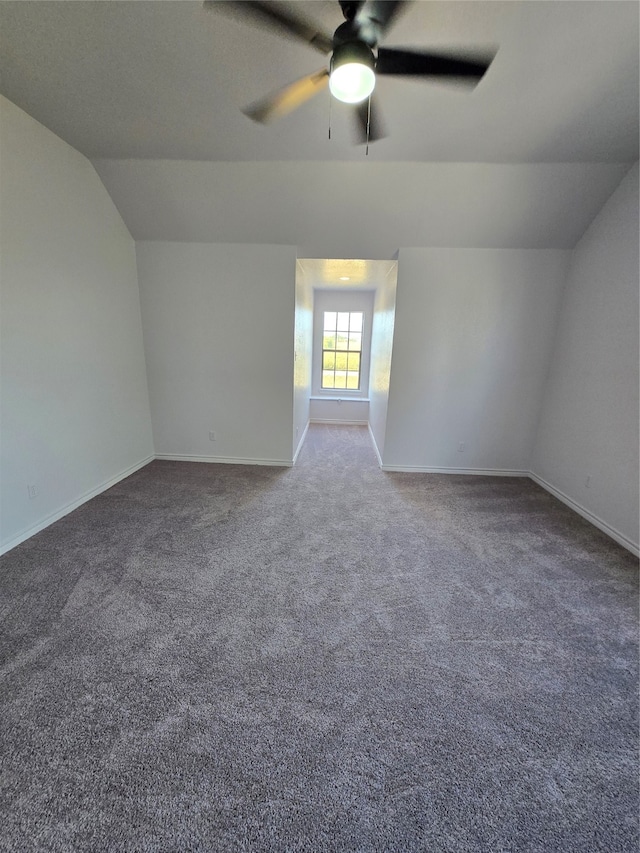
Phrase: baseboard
(338, 421)
(375, 446)
(225, 460)
(616, 535)
(484, 472)
(300, 443)
(87, 496)
(620, 538)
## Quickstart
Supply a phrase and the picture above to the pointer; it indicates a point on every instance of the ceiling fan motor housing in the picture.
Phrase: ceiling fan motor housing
(353, 51)
(351, 31)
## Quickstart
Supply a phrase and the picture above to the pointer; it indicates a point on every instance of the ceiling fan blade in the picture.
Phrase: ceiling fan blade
(288, 99)
(371, 115)
(276, 18)
(378, 13)
(410, 63)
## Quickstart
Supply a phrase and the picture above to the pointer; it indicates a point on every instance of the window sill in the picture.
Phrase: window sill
(343, 398)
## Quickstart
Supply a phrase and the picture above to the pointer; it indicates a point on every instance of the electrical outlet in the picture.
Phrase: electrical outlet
(212, 436)
(32, 491)
(461, 447)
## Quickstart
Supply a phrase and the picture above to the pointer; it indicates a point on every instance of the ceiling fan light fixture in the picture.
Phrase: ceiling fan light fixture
(352, 76)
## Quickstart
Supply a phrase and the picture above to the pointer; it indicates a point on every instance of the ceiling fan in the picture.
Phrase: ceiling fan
(356, 58)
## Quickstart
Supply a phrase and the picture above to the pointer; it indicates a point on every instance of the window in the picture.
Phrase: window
(342, 349)
(341, 357)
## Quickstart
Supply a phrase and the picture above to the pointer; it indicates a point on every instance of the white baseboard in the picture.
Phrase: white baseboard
(620, 538)
(300, 443)
(58, 514)
(338, 421)
(616, 535)
(375, 446)
(485, 472)
(225, 460)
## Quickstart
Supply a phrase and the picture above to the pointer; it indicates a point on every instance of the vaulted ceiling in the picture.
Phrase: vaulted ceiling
(168, 79)
(130, 82)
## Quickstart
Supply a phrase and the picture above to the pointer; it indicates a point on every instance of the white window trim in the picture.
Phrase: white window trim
(341, 300)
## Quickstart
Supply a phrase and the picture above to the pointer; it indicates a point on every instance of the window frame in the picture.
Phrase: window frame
(347, 352)
(342, 299)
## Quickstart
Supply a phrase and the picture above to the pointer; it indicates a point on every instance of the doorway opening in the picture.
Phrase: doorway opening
(344, 319)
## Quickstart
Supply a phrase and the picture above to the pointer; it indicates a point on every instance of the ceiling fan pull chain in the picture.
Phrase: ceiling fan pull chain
(330, 99)
(366, 153)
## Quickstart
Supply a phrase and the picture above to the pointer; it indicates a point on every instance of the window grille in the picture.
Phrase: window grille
(342, 349)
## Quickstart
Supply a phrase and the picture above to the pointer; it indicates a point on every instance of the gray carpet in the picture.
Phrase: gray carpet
(323, 658)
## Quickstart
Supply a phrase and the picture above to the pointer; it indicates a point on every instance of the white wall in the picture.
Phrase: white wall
(381, 351)
(339, 411)
(589, 420)
(303, 355)
(218, 324)
(472, 342)
(75, 408)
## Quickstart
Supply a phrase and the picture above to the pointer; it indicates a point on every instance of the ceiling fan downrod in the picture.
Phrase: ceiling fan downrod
(349, 9)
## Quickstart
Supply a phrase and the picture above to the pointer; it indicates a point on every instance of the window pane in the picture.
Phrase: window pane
(342, 341)
(352, 380)
(356, 321)
(341, 379)
(341, 361)
(355, 341)
(328, 360)
(329, 340)
(343, 321)
(354, 361)
(330, 321)
(327, 379)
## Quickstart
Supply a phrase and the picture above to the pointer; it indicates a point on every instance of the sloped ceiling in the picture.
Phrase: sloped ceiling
(151, 92)
(360, 210)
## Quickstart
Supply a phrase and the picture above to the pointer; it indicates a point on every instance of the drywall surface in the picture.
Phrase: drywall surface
(589, 421)
(339, 410)
(218, 325)
(381, 350)
(361, 209)
(472, 342)
(303, 347)
(75, 408)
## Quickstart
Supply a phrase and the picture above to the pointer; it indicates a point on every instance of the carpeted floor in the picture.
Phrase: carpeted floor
(322, 658)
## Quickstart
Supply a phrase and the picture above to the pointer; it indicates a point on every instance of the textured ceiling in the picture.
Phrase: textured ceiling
(345, 273)
(167, 80)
